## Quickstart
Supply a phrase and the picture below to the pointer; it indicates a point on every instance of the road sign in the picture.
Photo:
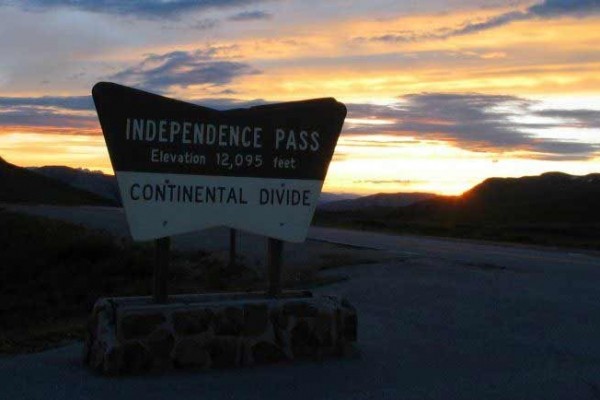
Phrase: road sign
(183, 167)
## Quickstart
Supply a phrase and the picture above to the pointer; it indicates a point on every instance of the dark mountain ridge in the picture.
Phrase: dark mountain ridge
(19, 185)
(376, 200)
(550, 197)
(553, 208)
(85, 179)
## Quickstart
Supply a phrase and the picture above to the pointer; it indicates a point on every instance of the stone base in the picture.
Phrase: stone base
(132, 334)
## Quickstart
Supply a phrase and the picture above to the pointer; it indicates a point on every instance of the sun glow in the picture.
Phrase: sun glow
(40, 149)
(380, 56)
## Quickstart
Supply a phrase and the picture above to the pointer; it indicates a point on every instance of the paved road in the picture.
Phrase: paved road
(455, 320)
(453, 250)
(477, 253)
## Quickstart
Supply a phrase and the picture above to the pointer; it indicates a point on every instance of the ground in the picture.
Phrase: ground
(438, 319)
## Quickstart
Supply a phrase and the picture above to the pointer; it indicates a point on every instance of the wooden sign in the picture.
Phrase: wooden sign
(183, 167)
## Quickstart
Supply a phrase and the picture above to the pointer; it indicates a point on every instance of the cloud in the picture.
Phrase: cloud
(142, 9)
(390, 181)
(202, 24)
(181, 68)
(340, 156)
(470, 121)
(205, 24)
(476, 122)
(251, 16)
(40, 118)
(403, 37)
(57, 112)
(579, 118)
(545, 9)
(558, 8)
(66, 102)
(493, 22)
(379, 143)
(227, 103)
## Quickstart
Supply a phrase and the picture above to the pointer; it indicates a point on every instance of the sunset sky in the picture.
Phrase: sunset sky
(441, 93)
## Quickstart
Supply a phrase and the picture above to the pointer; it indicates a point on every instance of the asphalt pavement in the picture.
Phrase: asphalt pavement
(451, 319)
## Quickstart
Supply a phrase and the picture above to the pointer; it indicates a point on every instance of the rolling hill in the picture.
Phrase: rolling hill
(91, 181)
(376, 200)
(19, 185)
(553, 197)
(552, 208)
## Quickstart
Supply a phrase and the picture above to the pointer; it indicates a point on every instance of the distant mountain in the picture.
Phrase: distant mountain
(550, 197)
(19, 185)
(551, 209)
(326, 198)
(376, 200)
(91, 181)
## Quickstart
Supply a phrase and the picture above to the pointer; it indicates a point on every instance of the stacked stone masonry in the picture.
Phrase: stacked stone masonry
(133, 335)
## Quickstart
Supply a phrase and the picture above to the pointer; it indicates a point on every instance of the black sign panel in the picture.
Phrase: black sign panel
(146, 132)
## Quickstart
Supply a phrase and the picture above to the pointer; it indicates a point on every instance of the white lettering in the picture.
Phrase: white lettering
(279, 136)
(315, 144)
(257, 139)
(187, 126)
(162, 131)
(211, 134)
(175, 130)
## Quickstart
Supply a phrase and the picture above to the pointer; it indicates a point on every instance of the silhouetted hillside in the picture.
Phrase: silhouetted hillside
(553, 208)
(18, 185)
(327, 198)
(91, 181)
(52, 272)
(376, 200)
(552, 197)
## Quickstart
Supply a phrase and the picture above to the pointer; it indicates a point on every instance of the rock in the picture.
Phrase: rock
(191, 352)
(229, 321)
(346, 304)
(160, 344)
(220, 333)
(224, 352)
(92, 327)
(323, 323)
(303, 341)
(112, 362)
(300, 309)
(134, 358)
(256, 317)
(350, 331)
(350, 321)
(92, 321)
(323, 329)
(279, 319)
(265, 352)
(192, 322)
(136, 326)
(96, 354)
(280, 337)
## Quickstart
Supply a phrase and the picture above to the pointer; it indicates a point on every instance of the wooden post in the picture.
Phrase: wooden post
(232, 247)
(274, 258)
(161, 269)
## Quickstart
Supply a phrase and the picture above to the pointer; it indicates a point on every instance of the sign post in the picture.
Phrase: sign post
(232, 246)
(274, 259)
(161, 269)
(183, 167)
